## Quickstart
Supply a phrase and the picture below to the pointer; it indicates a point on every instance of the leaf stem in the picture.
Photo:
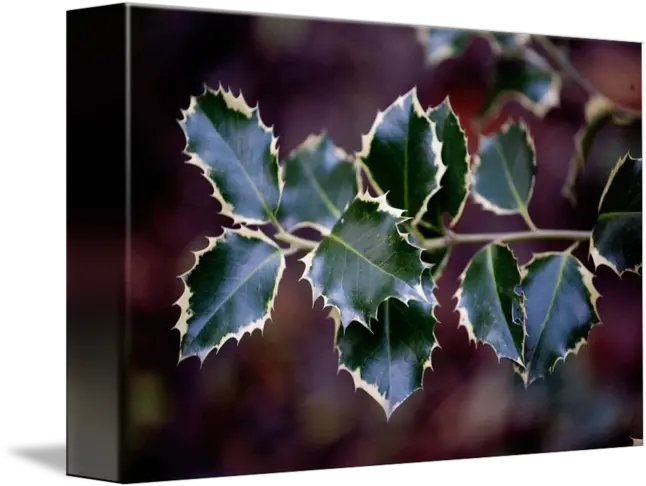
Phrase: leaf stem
(451, 238)
(295, 241)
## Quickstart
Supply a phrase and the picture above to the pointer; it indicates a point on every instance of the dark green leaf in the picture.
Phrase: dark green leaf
(455, 182)
(237, 153)
(503, 178)
(364, 261)
(389, 359)
(444, 43)
(402, 155)
(320, 181)
(600, 117)
(490, 302)
(560, 305)
(617, 236)
(229, 292)
(526, 78)
(441, 43)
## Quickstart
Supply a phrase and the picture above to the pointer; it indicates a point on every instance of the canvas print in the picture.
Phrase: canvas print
(358, 243)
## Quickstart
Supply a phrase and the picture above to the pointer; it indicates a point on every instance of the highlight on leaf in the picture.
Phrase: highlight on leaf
(402, 156)
(456, 180)
(617, 236)
(237, 153)
(490, 303)
(504, 170)
(229, 292)
(561, 309)
(364, 260)
(320, 181)
(388, 360)
(523, 77)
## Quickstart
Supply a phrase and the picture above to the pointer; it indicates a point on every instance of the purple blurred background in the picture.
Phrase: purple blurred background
(275, 402)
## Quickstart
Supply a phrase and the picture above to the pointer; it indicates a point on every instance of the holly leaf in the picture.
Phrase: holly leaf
(320, 181)
(365, 260)
(526, 78)
(508, 41)
(237, 153)
(229, 292)
(504, 172)
(560, 307)
(490, 303)
(388, 360)
(617, 236)
(600, 115)
(455, 183)
(402, 156)
(445, 43)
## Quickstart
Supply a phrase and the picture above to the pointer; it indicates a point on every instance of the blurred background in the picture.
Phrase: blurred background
(275, 401)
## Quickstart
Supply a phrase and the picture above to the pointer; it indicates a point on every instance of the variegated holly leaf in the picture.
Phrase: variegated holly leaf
(526, 78)
(505, 166)
(600, 116)
(617, 236)
(508, 41)
(236, 152)
(365, 260)
(442, 43)
(229, 291)
(490, 303)
(388, 360)
(320, 181)
(402, 155)
(560, 306)
(455, 183)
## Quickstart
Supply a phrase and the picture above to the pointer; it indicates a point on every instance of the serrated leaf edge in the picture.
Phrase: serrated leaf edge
(310, 143)
(594, 295)
(239, 105)
(183, 302)
(397, 215)
(597, 258)
(484, 202)
(550, 99)
(464, 314)
(436, 148)
(468, 182)
(370, 388)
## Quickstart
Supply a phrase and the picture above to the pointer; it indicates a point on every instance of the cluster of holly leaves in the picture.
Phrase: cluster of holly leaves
(372, 266)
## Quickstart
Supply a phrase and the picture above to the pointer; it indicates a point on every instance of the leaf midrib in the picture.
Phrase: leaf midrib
(495, 285)
(559, 279)
(261, 199)
(321, 193)
(346, 245)
(236, 289)
(615, 214)
(510, 182)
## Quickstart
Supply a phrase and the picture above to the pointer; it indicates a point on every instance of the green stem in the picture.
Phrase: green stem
(455, 239)
(295, 241)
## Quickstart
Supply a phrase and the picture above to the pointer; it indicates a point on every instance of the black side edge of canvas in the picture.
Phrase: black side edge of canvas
(96, 240)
